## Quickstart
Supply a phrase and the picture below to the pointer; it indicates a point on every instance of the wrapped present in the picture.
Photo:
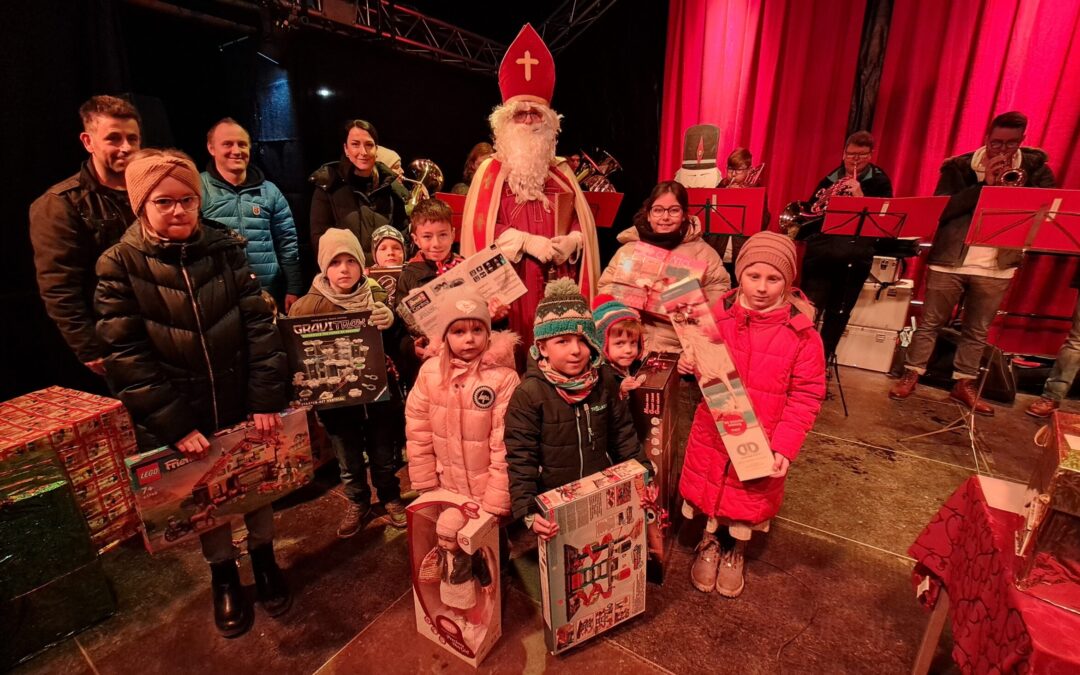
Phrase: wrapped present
(655, 406)
(180, 496)
(454, 558)
(51, 581)
(592, 573)
(1049, 543)
(91, 435)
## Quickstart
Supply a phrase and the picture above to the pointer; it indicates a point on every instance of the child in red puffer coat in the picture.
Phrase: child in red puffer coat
(768, 328)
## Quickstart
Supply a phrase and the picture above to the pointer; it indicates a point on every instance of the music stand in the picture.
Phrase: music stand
(877, 218)
(732, 211)
(605, 206)
(457, 210)
(1027, 219)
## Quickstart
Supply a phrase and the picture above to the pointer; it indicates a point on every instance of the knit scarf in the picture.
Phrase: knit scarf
(358, 300)
(668, 241)
(441, 266)
(572, 389)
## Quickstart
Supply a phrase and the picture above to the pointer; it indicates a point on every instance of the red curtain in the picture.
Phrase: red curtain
(775, 75)
(951, 66)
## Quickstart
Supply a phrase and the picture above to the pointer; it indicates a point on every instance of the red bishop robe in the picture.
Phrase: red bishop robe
(491, 209)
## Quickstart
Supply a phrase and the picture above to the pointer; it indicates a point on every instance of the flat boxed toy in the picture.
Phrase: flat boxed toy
(454, 558)
(592, 573)
(335, 360)
(180, 496)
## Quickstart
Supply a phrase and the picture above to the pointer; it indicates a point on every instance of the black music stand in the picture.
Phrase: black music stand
(877, 218)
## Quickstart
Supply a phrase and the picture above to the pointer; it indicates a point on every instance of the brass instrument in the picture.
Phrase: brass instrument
(1013, 178)
(796, 214)
(593, 176)
(429, 180)
(751, 179)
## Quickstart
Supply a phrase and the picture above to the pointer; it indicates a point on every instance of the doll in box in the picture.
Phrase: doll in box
(458, 573)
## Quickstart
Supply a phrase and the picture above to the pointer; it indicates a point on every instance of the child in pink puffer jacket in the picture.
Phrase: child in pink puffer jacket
(454, 414)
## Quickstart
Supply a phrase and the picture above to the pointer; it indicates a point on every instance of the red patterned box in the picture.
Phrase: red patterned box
(90, 435)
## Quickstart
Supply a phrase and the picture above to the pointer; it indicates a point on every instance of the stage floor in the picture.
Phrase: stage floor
(828, 590)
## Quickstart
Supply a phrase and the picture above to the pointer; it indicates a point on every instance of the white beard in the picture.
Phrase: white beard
(527, 152)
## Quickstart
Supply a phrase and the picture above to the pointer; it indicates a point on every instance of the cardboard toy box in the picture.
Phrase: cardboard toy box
(720, 382)
(51, 581)
(655, 406)
(336, 360)
(1049, 544)
(468, 633)
(90, 435)
(641, 279)
(884, 307)
(867, 348)
(181, 496)
(592, 573)
(387, 277)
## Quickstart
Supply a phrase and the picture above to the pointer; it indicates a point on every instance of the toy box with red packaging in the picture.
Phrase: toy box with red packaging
(592, 573)
(90, 435)
(180, 496)
(454, 558)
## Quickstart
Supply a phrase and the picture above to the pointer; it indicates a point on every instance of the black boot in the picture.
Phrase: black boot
(232, 616)
(270, 583)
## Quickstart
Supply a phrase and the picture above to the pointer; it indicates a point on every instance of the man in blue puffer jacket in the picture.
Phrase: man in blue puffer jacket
(236, 194)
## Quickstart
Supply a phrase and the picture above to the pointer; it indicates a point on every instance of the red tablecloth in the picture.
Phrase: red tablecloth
(968, 548)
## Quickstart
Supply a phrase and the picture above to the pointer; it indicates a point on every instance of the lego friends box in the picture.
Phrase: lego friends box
(592, 573)
(180, 496)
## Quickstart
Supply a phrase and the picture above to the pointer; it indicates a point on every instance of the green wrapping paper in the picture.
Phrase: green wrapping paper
(51, 581)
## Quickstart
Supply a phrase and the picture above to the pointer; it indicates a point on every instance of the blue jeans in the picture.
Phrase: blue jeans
(1067, 364)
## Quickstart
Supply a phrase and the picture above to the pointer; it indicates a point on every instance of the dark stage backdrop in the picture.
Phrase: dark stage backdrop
(184, 75)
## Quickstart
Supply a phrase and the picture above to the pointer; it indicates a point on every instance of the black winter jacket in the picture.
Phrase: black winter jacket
(340, 201)
(190, 343)
(71, 225)
(960, 182)
(828, 252)
(550, 443)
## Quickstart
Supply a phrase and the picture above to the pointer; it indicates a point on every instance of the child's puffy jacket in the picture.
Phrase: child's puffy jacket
(454, 429)
(780, 358)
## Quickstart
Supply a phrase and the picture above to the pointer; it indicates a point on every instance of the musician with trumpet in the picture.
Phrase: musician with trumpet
(979, 274)
(834, 268)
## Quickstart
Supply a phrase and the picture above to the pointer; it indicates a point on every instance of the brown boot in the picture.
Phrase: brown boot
(1044, 407)
(703, 572)
(965, 391)
(905, 385)
(729, 576)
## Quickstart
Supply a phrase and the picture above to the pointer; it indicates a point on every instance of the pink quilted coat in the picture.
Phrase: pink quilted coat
(454, 429)
(781, 360)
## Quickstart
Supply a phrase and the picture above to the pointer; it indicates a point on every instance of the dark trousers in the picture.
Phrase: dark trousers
(373, 429)
(217, 544)
(832, 277)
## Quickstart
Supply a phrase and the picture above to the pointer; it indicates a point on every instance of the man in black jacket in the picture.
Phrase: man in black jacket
(76, 220)
(835, 267)
(979, 274)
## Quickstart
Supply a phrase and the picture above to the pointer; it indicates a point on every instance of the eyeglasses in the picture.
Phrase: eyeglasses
(659, 211)
(856, 155)
(998, 145)
(524, 115)
(168, 204)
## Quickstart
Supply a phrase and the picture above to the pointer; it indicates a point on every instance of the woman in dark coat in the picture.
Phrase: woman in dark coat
(191, 348)
(356, 192)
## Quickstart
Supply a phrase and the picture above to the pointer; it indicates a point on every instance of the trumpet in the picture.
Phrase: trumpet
(429, 180)
(1013, 178)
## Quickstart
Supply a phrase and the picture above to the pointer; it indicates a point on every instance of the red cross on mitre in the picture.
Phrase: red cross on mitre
(527, 71)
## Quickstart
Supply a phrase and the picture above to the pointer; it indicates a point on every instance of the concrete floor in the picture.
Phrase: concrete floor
(828, 589)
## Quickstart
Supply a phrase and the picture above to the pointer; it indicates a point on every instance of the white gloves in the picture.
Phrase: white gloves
(381, 316)
(538, 247)
(566, 247)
